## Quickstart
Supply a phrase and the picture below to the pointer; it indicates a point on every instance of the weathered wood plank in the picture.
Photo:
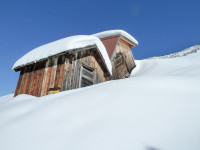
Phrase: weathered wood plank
(37, 78)
(26, 83)
(58, 73)
(53, 73)
(33, 80)
(29, 79)
(45, 78)
(67, 68)
(41, 76)
(62, 70)
(70, 73)
(48, 77)
(19, 83)
(23, 81)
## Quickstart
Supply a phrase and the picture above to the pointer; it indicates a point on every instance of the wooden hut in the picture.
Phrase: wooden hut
(74, 67)
(118, 44)
(63, 71)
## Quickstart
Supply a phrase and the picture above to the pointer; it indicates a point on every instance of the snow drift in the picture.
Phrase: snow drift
(158, 107)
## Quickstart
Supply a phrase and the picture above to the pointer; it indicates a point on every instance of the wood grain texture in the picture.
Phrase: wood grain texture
(30, 69)
(23, 81)
(124, 48)
(57, 77)
(53, 72)
(33, 80)
(48, 76)
(17, 91)
(41, 76)
(45, 78)
(61, 73)
(62, 70)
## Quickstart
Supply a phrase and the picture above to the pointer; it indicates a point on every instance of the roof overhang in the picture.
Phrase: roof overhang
(69, 51)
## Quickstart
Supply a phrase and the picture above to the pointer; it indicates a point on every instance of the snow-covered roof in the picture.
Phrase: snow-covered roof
(115, 32)
(62, 45)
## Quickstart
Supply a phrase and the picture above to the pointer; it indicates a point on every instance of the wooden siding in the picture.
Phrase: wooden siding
(125, 68)
(30, 80)
(60, 73)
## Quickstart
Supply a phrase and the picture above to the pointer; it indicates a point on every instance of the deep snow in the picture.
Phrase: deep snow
(158, 107)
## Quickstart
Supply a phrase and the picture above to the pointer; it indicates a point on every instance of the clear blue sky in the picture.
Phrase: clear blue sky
(161, 27)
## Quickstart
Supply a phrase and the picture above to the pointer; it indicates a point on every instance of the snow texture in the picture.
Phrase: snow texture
(157, 108)
(115, 32)
(188, 51)
(65, 44)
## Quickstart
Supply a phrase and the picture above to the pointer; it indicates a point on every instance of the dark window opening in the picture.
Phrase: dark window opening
(87, 77)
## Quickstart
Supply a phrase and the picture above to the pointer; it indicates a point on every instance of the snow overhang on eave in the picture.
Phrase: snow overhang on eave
(58, 54)
(64, 52)
(133, 44)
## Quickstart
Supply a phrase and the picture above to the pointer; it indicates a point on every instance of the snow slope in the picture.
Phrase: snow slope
(157, 108)
(187, 52)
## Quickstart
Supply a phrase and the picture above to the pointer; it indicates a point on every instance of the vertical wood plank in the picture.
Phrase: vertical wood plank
(37, 78)
(41, 76)
(23, 81)
(33, 78)
(44, 78)
(26, 83)
(70, 73)
(46, 89)
(64, 86)
(19, 83)
(57, 77)
(29, 79)
(53, 73)
(62, 70)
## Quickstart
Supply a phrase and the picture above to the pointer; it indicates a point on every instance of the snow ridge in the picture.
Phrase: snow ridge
(191, 51)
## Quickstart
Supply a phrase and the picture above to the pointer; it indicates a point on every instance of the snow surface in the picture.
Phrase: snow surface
(65, 44)
(115, 32)
(187, 52)
(157, 108)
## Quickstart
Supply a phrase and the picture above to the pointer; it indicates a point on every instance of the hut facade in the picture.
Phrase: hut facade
(118, 44)
(74, 62)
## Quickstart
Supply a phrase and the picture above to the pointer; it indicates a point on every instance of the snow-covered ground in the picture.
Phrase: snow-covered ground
(157, 108)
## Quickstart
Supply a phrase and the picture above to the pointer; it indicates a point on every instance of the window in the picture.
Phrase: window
(86, 77)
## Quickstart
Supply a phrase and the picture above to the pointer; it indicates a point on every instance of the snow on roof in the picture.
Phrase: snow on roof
(115, 32)
(62, 45)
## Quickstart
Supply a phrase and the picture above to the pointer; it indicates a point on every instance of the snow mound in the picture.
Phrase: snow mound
(115, 32)
(62, 45)
(158, 108)
(191, 51)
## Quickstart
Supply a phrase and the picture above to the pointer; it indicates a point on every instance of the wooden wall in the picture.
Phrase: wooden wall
(128, 64)
(59, 73)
